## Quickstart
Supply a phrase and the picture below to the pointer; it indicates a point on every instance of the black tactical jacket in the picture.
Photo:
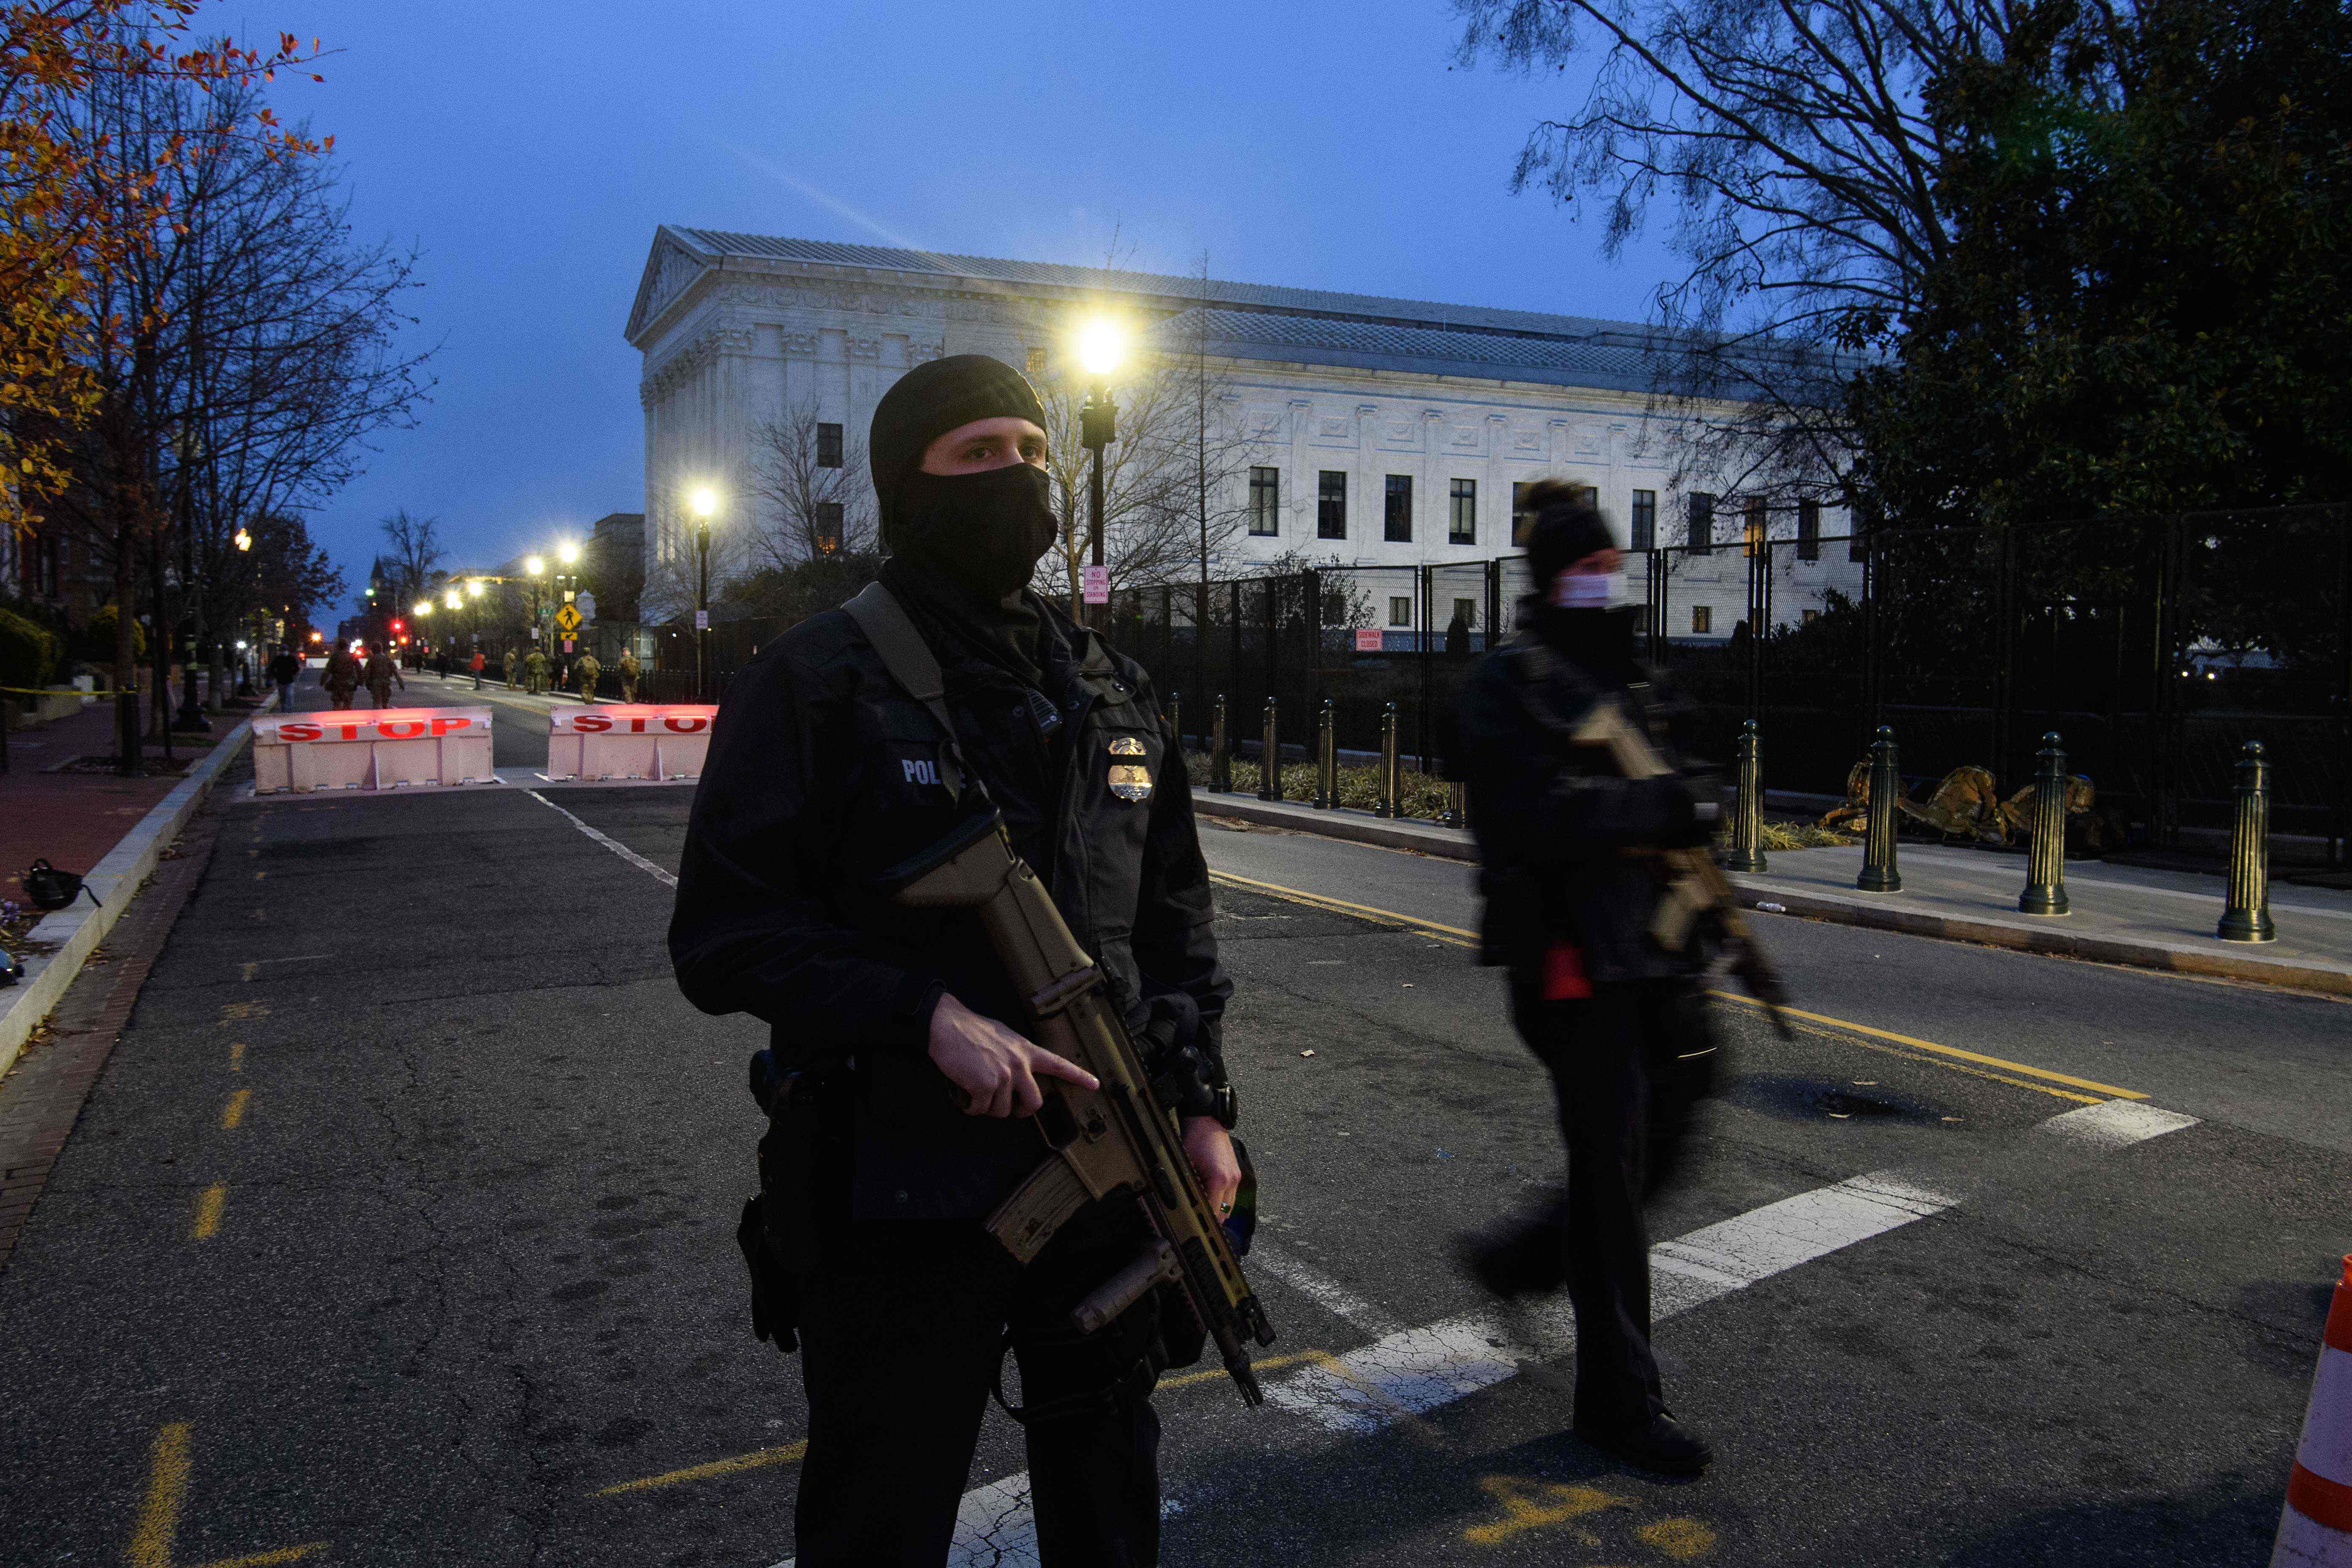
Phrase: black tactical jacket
(823, 773)
(1559, 832)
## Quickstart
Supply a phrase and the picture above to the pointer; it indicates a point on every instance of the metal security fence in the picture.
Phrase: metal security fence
(2157, 645)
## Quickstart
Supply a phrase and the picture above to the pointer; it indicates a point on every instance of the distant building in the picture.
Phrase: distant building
(1380, 431)
(615, 563)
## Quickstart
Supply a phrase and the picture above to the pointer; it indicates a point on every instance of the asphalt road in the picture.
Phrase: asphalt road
(399, 1229)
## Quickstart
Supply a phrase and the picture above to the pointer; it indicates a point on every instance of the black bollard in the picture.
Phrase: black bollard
(1176, 719)
(1327, 758)
(1220, 765)
(2046, 853)
(2248, 916)
(1269, 764)
(1879, 872)
(1391, 765)
(1748, 805)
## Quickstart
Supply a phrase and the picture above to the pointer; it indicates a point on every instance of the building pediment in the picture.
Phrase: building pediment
(671, 268)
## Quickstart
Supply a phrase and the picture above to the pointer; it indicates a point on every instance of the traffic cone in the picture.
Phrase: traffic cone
(2316, 1531)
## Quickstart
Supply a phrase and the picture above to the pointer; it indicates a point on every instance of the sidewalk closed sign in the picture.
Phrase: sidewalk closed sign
(1094, 584)
(1368, 639)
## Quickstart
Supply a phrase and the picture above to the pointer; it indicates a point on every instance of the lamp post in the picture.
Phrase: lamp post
(189, 446)
(567, 587)
(1101, 346)
(703, 502)
(534, 568)
(244, 542)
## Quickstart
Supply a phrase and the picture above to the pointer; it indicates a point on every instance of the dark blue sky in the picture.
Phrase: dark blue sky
(529, 149)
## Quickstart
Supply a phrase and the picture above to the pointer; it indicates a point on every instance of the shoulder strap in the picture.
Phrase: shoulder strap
(911, 663)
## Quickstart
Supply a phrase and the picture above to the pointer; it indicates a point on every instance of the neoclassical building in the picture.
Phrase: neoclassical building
(1378, 431)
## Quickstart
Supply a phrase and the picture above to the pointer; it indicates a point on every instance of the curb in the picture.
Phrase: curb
(77, 930)
(2057, 943)
(1454, 843)
(1344, 821)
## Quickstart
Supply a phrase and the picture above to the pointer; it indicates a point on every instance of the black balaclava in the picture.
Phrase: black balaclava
(963, 545)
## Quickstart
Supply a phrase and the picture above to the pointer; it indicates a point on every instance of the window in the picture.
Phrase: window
(1037, 361)
(1702, 523)
(1645, 519)
(1397, 515)
(1752, 523)
(828, 525)
(828, 446)
(1265, 502)
(1400, 610)
(1331, 504)
(1462, 528)
(1588, 495)
(1465, 615)
(1807, 618)
(1858, 548)
(1521, 517)
(1809, 531)
(1701, 619)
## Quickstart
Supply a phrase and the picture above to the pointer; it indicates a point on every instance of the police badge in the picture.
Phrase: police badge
(1130, 780)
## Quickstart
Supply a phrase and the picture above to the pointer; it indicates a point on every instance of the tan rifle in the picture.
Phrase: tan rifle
(1111, 1140)
(1694, 883)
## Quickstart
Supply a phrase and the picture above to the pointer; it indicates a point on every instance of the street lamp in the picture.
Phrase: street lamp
(474, 588)
(1102, 344)
(703, 501)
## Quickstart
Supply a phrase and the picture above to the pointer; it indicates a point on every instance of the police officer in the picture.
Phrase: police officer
(1617, 1020)
(534, 672)
(628, 667)
(340, 676)
(585, 670)
(510, 662)
(912, 1090)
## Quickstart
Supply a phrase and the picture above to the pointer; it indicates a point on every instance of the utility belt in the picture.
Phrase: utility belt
(777, 1230)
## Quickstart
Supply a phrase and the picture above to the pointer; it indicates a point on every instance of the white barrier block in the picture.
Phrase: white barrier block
(380, 748)
(628, 741)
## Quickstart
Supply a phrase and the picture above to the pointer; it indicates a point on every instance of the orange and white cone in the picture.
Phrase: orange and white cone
(2316, 1531)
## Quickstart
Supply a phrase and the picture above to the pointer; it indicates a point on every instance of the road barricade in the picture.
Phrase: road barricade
(2316, 1528)
(628, 741)
(379, 749)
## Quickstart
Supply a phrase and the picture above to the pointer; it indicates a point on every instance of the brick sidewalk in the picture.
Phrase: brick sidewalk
(72, 819)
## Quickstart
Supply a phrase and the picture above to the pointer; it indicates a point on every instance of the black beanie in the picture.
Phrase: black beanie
(1566, 529)
(932, 399)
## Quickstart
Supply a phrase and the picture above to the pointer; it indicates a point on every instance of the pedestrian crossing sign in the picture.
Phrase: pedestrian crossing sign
(567, 620)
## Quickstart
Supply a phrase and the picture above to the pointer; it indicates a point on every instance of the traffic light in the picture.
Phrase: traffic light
(400, 626)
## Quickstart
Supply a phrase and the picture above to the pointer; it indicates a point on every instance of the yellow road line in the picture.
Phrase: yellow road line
(264, 1559)
(1454, 935)
(1268, 1365)
(2107, 1089)
(1457, 937)
(236, 1056)
(209, 1204)
(735, 1465)
(167, 1488)
(234, 1112)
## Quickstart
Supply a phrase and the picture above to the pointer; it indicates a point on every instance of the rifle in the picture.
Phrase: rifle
(1696, 885)
(1110, 1139)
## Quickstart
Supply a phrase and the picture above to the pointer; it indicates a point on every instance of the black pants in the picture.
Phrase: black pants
(901, 1334)
(1597, 1051)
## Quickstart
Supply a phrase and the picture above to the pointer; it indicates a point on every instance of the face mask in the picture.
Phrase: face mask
(983, 532)
(1584, 590)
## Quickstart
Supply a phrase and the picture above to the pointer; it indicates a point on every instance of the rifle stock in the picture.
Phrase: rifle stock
(1114, 1139)
(1697, 884)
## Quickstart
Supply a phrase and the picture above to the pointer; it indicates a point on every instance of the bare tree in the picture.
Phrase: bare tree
(415, 551)
(1794, 144)
(1167, 480)
(812, 476)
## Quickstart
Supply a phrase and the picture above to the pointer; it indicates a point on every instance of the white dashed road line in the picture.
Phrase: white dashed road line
(1409, 1372)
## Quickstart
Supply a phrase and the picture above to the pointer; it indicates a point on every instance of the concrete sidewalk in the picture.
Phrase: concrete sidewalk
(2121, 914)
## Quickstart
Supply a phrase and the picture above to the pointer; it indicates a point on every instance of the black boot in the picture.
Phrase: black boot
(1660, 1444)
